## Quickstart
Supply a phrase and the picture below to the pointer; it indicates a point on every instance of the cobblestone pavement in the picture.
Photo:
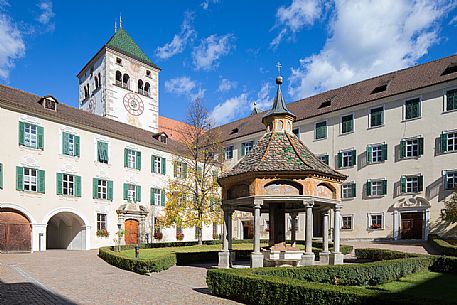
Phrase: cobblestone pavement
(80, 277)
(420, 247)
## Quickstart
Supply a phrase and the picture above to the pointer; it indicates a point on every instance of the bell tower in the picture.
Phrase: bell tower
(121, 83)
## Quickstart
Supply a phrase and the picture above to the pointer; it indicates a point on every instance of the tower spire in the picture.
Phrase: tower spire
(120, 20)
(115, 26)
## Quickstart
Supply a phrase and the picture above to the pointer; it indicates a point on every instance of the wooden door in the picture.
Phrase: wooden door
(131, 231)
(15, 232)
(411, 225)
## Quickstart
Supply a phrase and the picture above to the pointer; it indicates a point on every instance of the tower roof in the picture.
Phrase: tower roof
(279, 105)
(282, 152)
(123, 43)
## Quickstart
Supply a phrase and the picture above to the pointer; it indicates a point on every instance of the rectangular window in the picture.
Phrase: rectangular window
(246, 147)
(449, 141)
(229, 152)
(158, 165)
(324, 158)
(346, 223)
(30, 135)
(347, 123)
(30, 179)
(321, 130)
(450, 180)
(376, 187)
(412, 184)
(68, 185)
(157, 196)
(348, 190)
(412, 109)
(132, 158)
(102, 189)
(376, 221)
(70, 144)
(410, 148)
(101, 222)
(451, 100)
(102, 152)
(132, 192)
(180, 170)
(376, 153)
(347, 158)
(296, 131)
(377, 117)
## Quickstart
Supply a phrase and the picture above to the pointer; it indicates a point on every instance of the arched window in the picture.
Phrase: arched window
(140, 86)
(147, 88)
(126, 81)
(96, 82)
(99, 80)
(118, 78)
(86, 94)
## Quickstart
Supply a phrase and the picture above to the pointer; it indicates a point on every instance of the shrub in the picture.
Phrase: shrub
(444, 247)
(102, 233)
(158, 235)
(382, 254)
(179, 236)
(445, 264)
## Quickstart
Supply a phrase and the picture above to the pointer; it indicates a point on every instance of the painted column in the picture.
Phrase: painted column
(325, 254)
(224, 255)
(396, 224)
(293, 219)
(336, 257)
(257, 256)
(308, 256)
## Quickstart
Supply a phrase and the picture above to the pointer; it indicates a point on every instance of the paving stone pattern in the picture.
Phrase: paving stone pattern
(80, 277)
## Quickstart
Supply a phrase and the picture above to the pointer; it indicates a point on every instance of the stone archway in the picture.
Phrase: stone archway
(66, 230)
(15, 231)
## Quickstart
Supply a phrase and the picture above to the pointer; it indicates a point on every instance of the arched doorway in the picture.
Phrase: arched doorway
(66, 230)
(131, 231)
(15, 231)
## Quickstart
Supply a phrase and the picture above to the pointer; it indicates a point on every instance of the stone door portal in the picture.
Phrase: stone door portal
(411, 225)
(131, 231)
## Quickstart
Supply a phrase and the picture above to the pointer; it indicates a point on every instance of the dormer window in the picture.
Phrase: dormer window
(380, 88)
(234, 130)
(326, 103)
(119, 61)
(452, 68)
(163, 139)
(148, 73)
(48, 102)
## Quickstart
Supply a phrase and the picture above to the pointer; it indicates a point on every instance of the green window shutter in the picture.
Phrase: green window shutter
(354, 157)
(126, 191)
(243, 149)
(443, 142)
(59, 179)
(403, 184)
(19, 178)
(162, 197)
(153, 164)
(175, 169)
(384, 152)
(384, 187)
(138, 193)
(77, 149)
(99, 151)
(21, 133)
(40, 137)
(354, 190)
(326, 159)
(340, 160)
(109, 194)
(420, 183)
(41, 181)
(184, 170)
(368, 187)
(382, 116)
(95, 188)
(126, 157)
(1, 176)
(402, 148)
(138, 160)
(78, 186)
(105, 152)
(65, 140)
(421, 146)
(163, 167)
(152, 196)
(369, 153)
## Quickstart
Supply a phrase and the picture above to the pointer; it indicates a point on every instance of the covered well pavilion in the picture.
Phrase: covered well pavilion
(282, 176)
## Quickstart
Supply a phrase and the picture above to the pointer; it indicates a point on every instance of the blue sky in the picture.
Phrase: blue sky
(224, 51)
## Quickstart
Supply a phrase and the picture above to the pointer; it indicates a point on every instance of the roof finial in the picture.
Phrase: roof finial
(115, 26)
(254, 109)
(279, 77)
(120, 20)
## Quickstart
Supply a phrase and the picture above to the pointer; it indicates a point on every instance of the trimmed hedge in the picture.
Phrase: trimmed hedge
(446, 264)
(444, 247)
(382, 254)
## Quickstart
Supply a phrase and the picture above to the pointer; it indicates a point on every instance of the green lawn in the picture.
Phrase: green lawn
(430, 286)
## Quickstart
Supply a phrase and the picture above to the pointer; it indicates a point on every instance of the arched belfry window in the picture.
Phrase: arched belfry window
(147, 89)
(140, 86)
(126, 81)
(118, 78)
(96, 82)
(99, 80)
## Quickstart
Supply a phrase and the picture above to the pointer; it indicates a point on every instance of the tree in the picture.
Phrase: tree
(451, 208)
(193, 195)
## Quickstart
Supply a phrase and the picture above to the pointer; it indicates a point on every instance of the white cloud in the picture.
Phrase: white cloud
(453, 21)
(12, 45)
(264, 100)
(206, 55)
(369, 38)
(226, 85)
(46, 14)
(205, 4)
(230, 109)
(295, 16)
(179, 41)
(184, 86)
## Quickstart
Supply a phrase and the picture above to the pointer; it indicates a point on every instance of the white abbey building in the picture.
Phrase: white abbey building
(67, 175)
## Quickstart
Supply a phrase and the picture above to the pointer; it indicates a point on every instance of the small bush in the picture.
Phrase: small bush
(445, 264)
(444, 247)
(381, 254)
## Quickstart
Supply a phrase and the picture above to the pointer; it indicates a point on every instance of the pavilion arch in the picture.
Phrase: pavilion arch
(68, 229)
(238, 190)
(326, 190)
(283, 187)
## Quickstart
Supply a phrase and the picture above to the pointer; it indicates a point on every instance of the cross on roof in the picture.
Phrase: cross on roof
(278, 65)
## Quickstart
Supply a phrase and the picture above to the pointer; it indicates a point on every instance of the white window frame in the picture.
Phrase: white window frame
(445, 100)
(68, 185)
(376, 188)
(383, 116)
(131, 192)
(131, 158)
(158, 164)
(370, 221)
(251, 146)
(102, 224)
(454, 178)
(377, 153)
(30, 179)
(348, 188)
(453, 141)
(412, 184)
(30, 135)
(321, 156)
(102, 189)
(341, 123)
(229, 152)
(326, 130)
(413, 146)
(404, 119)
(351, 216)
(158, 196)
(348, 155)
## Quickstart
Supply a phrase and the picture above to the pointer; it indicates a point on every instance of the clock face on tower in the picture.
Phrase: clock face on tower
(133, 104)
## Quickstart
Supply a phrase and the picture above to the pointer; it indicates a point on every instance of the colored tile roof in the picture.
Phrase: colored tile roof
(278, 152)
(23, 102)
(398, 82)
(123, 43)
